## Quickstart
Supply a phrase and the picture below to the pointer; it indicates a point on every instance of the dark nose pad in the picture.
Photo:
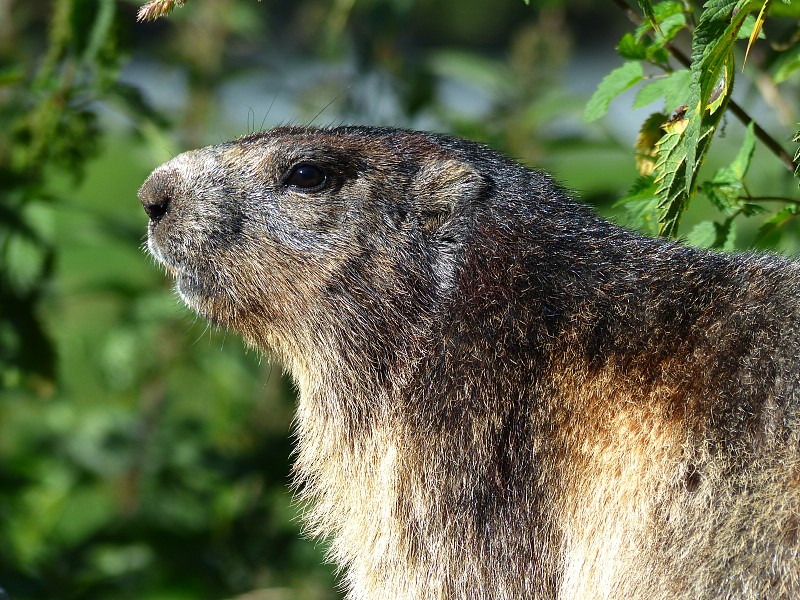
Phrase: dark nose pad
(156, 199)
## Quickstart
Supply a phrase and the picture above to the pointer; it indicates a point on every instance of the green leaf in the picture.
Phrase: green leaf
(669, 18)
(702, 235)
(613, 84)
(741, 163)
(786, 9)
(786, 64)
(676, 91)
(723, 190)
(666, 9)
(649, 92)
(640, 206)
(708, 234)
(670, 176)
(661, 11)
(630, 48)
(747, 29)
(796, 138)
(643, 189)
(670, 27)
(769, 232)
(674, 88)
(726, 235)
(649, 14)
(681, 151)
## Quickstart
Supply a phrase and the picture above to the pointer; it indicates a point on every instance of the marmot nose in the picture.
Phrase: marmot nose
(156, 197)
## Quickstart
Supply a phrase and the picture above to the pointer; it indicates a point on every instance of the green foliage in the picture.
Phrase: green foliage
(50, 125)
(696, 92)
(133, 463)
(144, 456)
(613, 84)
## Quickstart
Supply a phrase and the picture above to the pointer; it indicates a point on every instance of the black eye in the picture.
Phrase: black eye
(306, 177)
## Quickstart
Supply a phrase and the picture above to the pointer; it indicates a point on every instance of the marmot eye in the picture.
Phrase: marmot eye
(306, 177)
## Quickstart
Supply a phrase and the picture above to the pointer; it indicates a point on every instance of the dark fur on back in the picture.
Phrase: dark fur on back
(501, 394)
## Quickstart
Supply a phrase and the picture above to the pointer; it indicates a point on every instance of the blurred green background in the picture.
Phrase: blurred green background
(142, 453)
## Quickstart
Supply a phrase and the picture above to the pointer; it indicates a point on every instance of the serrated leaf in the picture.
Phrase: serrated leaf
(681, 154)
(630, 48)
(676, 91)
(674, 88)
(670, 27)
(670, 176)
(649, 92)
(613, 84)
(723, 190)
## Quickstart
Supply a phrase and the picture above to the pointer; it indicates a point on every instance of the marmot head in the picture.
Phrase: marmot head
(282, 234)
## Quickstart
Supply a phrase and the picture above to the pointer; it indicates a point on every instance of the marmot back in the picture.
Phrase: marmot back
(502, 395)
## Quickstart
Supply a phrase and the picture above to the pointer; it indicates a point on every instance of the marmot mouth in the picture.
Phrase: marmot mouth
(192, 285)
(196, 289)
(199, 294)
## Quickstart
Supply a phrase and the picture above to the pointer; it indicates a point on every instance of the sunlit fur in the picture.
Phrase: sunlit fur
(501, 395)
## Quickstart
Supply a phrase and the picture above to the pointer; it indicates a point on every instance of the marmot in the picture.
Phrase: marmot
(501, 395)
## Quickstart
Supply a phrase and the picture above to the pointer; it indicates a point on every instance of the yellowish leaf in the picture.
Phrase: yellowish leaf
(649, 135)
(756, 30)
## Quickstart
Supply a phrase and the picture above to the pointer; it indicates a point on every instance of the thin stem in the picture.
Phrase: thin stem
(737, 110)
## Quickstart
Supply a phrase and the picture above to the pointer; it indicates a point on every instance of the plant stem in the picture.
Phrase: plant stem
(737, 110)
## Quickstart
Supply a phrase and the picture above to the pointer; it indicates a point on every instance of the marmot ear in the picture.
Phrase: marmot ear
(441, 187)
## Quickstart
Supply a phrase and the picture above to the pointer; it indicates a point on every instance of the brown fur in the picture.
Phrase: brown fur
(501, 395)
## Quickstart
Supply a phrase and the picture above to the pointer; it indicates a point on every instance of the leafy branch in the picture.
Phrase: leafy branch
(673, 144)
(762, 135)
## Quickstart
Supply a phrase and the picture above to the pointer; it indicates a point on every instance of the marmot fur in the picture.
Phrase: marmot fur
(502, 395)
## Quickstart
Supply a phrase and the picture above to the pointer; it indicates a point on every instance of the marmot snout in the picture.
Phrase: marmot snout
(501, 395)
